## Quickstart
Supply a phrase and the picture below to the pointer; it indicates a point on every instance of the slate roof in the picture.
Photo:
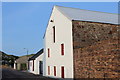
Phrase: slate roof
(87, 15)
(23, 59)
(36, 55)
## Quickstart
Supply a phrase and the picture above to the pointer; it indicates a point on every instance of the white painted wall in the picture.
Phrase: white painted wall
(63, 29)
(31, 66)
(36, 64)
(15, 65)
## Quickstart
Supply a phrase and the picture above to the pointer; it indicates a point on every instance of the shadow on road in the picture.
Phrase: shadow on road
(11, 74)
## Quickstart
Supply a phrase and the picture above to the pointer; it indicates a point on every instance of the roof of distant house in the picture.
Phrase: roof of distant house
(23, 59)
(87, 15)
(36, 55)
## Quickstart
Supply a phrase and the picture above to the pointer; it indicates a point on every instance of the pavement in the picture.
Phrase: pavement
(11, 74)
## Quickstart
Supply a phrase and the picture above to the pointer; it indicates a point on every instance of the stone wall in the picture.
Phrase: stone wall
(96, 50)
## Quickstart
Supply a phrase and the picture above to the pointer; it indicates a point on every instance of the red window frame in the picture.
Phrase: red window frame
(54, 34)
(62, 49)
(48, 52)
(48, 70)
(54, 70)
(62, 72)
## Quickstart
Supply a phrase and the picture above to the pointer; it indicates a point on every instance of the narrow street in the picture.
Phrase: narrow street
(11, 74)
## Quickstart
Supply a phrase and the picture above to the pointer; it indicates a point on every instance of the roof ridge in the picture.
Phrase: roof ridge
(36, 55)
(86, 10)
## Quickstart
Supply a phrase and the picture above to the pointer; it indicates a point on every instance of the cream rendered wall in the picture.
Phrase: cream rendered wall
(63, 34)
(36, 64)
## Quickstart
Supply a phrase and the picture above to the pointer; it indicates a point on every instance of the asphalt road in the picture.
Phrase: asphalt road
(11, 74)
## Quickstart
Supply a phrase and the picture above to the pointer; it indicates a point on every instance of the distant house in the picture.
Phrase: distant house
(36, 63)
(21, 63)
(81, 44)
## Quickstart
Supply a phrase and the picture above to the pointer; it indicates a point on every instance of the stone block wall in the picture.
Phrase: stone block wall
(96, 50)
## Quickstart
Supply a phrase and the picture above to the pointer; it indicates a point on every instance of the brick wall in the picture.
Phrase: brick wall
(96, 50)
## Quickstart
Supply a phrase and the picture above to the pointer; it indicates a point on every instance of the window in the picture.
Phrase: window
(33, 65)
(48, 70)
(62, 49)
(54, 70)
(62, 72)
(48, 52)
(54, 34)
(51, 21)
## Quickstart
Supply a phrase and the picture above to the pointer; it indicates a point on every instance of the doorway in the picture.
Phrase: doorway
(23, 66)
(40, 67)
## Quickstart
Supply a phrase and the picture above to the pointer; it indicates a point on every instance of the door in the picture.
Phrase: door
(15, 65)
(41, 67)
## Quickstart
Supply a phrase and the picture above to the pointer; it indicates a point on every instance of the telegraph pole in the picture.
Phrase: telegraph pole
(27, 61)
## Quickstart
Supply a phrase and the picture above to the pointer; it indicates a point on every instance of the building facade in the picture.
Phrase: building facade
(57, 63)
(81, 44)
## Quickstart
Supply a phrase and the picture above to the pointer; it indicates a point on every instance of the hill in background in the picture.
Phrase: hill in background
(8, 60)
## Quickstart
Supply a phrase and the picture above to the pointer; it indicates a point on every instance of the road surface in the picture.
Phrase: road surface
(11, 74)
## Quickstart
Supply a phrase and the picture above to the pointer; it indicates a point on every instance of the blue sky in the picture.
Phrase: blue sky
(24, 23)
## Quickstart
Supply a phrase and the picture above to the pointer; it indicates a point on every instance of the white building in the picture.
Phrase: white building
(61, 36)
(36, 63)
(61, 44)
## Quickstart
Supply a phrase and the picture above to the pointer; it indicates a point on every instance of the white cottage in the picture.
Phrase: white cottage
(36, 63)
(70, 41)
